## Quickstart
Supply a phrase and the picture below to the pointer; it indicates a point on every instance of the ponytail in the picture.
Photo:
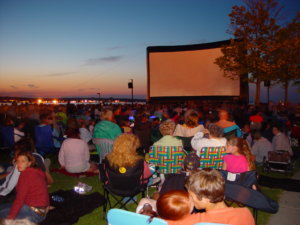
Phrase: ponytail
(246, 151)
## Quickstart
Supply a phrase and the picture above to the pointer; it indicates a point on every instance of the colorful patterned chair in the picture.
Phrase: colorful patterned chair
(212, 157)
(169, 159)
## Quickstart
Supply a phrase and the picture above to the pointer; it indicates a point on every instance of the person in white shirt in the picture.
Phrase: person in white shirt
(261, 147)
(74, 154)
(213, 137)
(18, 133)
(190, 126)
(281, 141)
(85, 134)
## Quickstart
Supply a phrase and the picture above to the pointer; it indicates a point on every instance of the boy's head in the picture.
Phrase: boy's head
(205, 186)
(174, 205)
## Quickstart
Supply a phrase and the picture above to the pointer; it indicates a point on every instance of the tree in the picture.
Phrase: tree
(253, 27)
(286, 55)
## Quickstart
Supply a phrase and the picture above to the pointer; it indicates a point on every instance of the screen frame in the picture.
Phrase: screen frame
(178, 48)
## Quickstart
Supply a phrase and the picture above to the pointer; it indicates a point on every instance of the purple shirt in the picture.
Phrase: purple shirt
(236, 163)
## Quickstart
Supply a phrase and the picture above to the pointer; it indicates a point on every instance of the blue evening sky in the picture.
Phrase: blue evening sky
(60, 48)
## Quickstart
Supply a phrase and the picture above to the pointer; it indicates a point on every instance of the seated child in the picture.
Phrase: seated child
(206, 188)
(241, 158)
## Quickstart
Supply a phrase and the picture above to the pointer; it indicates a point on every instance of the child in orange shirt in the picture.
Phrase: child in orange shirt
(206, 189)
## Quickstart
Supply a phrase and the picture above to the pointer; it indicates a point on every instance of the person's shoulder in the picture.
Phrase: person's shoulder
(189, 219)
(244, 214)
(243, 210)
(31, 172)
(179, 126)
(223, 140)
(200, 126)
(228, 156)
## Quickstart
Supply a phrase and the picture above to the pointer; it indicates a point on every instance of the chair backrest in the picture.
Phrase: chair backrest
(124, 181)
(103, 147)
(246, 179)
(43, 136)
(249, 197)
(7, 136)
(212, 157)
(210, 224)
(186, 141)
(123, 217)
(279, 156)
(169, 159)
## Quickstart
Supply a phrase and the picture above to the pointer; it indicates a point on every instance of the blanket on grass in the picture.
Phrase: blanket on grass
(83, 174)
(72, 207)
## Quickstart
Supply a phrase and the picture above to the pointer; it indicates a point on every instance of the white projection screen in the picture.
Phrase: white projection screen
(188, 71)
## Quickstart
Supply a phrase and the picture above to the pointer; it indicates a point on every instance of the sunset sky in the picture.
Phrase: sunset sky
(64, 48)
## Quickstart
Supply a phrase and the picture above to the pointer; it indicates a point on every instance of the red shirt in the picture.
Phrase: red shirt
(31, 189)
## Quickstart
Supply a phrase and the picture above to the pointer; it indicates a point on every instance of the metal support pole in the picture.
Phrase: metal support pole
(99, 97)
(132, 92)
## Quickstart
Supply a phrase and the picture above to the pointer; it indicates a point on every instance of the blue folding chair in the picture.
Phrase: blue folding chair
(210, 224)
(123, 217)
(44, 140)
(7, 137)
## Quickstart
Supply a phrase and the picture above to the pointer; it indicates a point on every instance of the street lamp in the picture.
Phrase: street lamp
(99, 97)
(130, 85)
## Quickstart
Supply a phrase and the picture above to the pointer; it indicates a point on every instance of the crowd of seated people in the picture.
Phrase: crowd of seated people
(44, 125)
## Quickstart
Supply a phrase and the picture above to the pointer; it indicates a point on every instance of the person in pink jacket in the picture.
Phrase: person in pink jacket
(74, 154)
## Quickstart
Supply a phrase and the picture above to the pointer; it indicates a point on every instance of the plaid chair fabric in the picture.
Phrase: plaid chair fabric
(169, 159)
(212, 157)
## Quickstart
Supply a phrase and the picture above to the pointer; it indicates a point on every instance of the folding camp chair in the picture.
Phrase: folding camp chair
(122, 187)
(210, 224)
(238, 189)
(279, 161)
(243, 196)
(247, 179)
(122, 217)
(212, 157)
(7, 137)
(169, 159)
(43, 139)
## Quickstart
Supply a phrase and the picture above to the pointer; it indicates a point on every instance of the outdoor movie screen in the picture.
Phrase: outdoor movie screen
(188, 71)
